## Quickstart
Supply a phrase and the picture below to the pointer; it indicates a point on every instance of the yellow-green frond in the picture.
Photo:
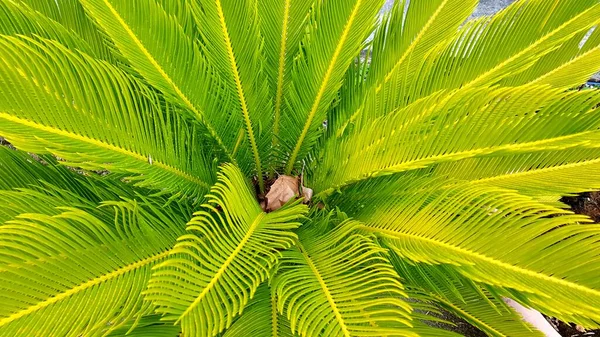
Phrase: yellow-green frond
(20, 170)
(448, 289)
(160, 51)
(95, 116)
(335, 39)
(475, 123)
(71, 15)
(492, 236)
(230, 247)
(283, 25)
(490, 49)
(567, 67)
(340, 284)
(19, 19)
(540, 174)
(233, 46)
(73, 273)
(261, 318)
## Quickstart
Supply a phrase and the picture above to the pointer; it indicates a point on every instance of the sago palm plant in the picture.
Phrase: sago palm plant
(295, 167)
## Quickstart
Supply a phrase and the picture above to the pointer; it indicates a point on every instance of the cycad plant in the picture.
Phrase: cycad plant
(295, 167)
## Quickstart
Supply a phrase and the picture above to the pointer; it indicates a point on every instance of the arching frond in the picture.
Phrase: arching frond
(283, 25)
(490, 49)
(406, 36)
(491, 236)
(170, 61)
(477, 123)
(336, 38)
(25, 186)
(28, 186)
(71, 15)
(261, 318)
(464, 298)
(19, 170)
(340, 284)
(543, 174)
(214, 270)
(18, 19)
(546, 175)
(97, 117)
(74, 274)
(567, 67)
(15, 203)
(409, 32)
(233, 45)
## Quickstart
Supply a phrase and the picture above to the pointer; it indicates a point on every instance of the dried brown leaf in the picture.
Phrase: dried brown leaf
(283, 190)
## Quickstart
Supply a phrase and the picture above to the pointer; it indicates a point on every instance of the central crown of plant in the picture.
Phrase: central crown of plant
(295, 167)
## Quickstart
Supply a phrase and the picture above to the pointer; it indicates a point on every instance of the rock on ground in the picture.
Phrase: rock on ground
(486, 7)
(489, 7)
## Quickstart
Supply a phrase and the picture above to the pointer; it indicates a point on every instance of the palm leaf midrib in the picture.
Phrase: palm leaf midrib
(280, 73)
(111, 147)
(83, 286)
(241, 95)
(419, 163)
(324, 288)
(311, 114)
(170, 81)
(230, 259)
(517, 269)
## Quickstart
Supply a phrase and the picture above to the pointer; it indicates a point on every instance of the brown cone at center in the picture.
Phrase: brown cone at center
(284, 189)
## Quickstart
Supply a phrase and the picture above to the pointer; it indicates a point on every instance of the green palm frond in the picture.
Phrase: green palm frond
(425, 156)
(261, 318)
(166, 61)
(493, 236)
(105, 261)
(488, 50)
(505, 44)
(569, 66)
(462, 297)
(71, 15)
(229, 249)
(20, 170)
(405, 37)
(282, 24)
(15, 203)
(410, 30)
(232, 42)
(18, 19)
(340, 284)
(442, 128)
(28, 186)
(127, 128)
(542, 174)
(336, 38)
